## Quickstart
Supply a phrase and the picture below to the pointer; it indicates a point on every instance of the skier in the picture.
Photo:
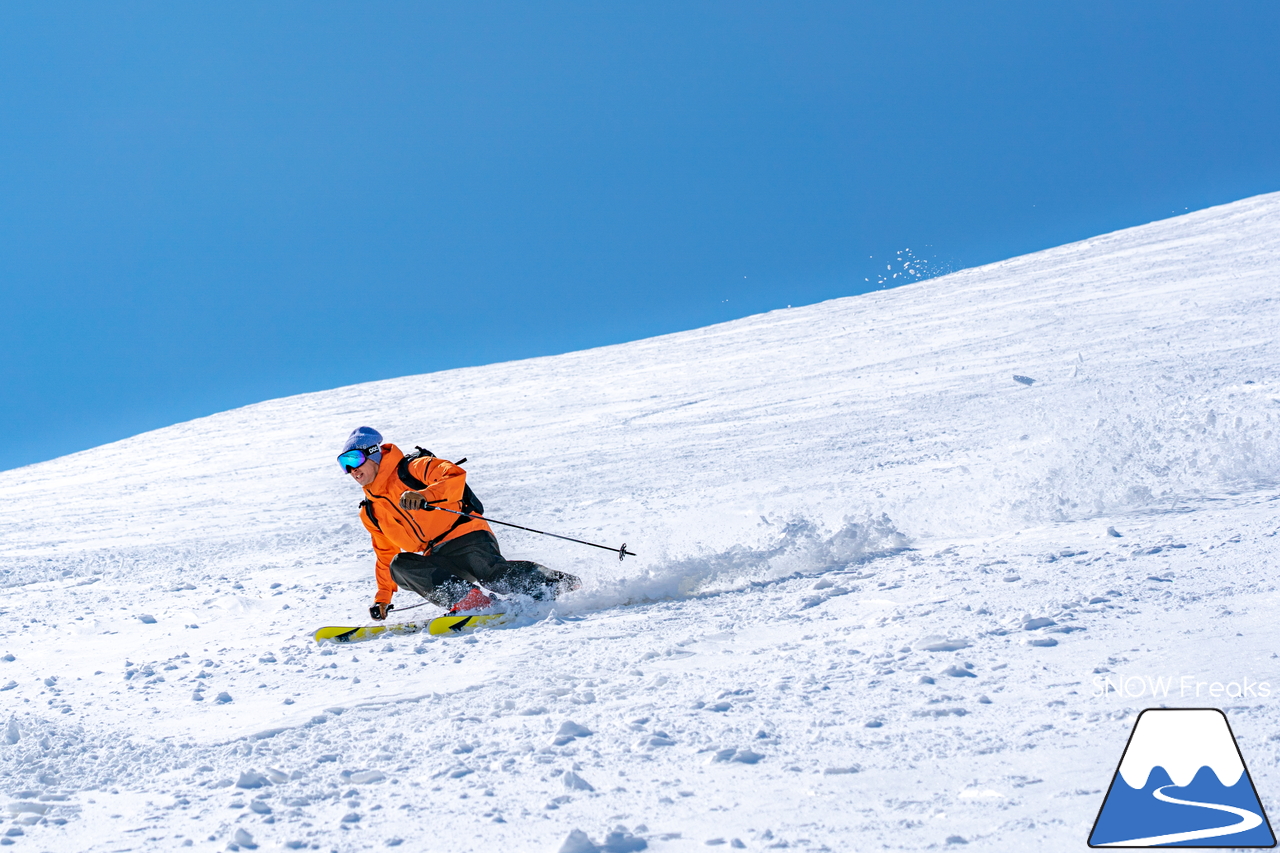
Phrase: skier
(443, 557)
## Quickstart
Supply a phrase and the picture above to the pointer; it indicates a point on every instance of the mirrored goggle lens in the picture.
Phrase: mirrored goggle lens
(352, 460)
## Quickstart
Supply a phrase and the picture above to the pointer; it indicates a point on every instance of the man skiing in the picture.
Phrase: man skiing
(443, 556)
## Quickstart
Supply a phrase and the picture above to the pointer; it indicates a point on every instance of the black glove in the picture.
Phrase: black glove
(415, 500)
(379, 611)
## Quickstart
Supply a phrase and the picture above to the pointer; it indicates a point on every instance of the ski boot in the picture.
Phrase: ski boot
(475, 599)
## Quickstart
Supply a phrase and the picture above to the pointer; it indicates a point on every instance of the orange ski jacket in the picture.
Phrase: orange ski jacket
(394, 529)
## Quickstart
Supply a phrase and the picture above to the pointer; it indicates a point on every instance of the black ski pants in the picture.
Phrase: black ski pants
(447, 574)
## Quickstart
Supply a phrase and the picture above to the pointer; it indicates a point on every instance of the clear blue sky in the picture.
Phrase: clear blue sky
(205, 205)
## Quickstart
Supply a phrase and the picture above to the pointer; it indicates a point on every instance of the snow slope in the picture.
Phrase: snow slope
(876, 602)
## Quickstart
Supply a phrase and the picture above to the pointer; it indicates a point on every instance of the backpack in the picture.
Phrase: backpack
(470, 503)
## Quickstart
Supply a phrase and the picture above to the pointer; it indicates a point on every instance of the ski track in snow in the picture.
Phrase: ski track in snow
(874, 589)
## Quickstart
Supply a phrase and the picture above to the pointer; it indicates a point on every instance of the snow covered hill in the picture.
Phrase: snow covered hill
(890, 546)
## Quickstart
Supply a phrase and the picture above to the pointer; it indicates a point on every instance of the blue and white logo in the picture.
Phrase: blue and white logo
(1182, 783)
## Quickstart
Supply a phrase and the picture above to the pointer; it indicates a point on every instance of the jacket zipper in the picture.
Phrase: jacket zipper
(413, 524)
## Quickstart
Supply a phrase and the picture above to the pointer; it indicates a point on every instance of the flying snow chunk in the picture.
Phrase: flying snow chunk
(1182, 779)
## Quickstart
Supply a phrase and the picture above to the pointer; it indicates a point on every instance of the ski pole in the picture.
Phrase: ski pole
(622, 552)
(412, 606)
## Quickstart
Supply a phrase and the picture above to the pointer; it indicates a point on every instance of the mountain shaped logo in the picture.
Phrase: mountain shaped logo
(1182, 782)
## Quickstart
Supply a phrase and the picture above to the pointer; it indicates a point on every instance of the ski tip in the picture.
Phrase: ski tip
(334, 634)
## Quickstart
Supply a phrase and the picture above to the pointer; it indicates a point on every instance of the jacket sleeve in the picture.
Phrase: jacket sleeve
(386, 552)
(445, 481)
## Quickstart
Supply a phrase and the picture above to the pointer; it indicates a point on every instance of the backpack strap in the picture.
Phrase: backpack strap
(402, 471)
(367, 507)
(457, 522)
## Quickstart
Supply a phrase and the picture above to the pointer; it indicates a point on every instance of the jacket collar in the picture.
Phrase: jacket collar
(387, 476)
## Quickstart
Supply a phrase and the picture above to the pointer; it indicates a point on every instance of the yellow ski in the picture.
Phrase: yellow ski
(439, 625)
(462, 624)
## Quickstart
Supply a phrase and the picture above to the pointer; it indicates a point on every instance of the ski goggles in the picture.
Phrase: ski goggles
(353, 459)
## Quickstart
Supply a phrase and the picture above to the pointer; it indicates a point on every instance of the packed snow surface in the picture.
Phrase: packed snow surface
(909, 564)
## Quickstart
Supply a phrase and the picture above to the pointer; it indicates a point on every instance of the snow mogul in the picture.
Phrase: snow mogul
(444, 556)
